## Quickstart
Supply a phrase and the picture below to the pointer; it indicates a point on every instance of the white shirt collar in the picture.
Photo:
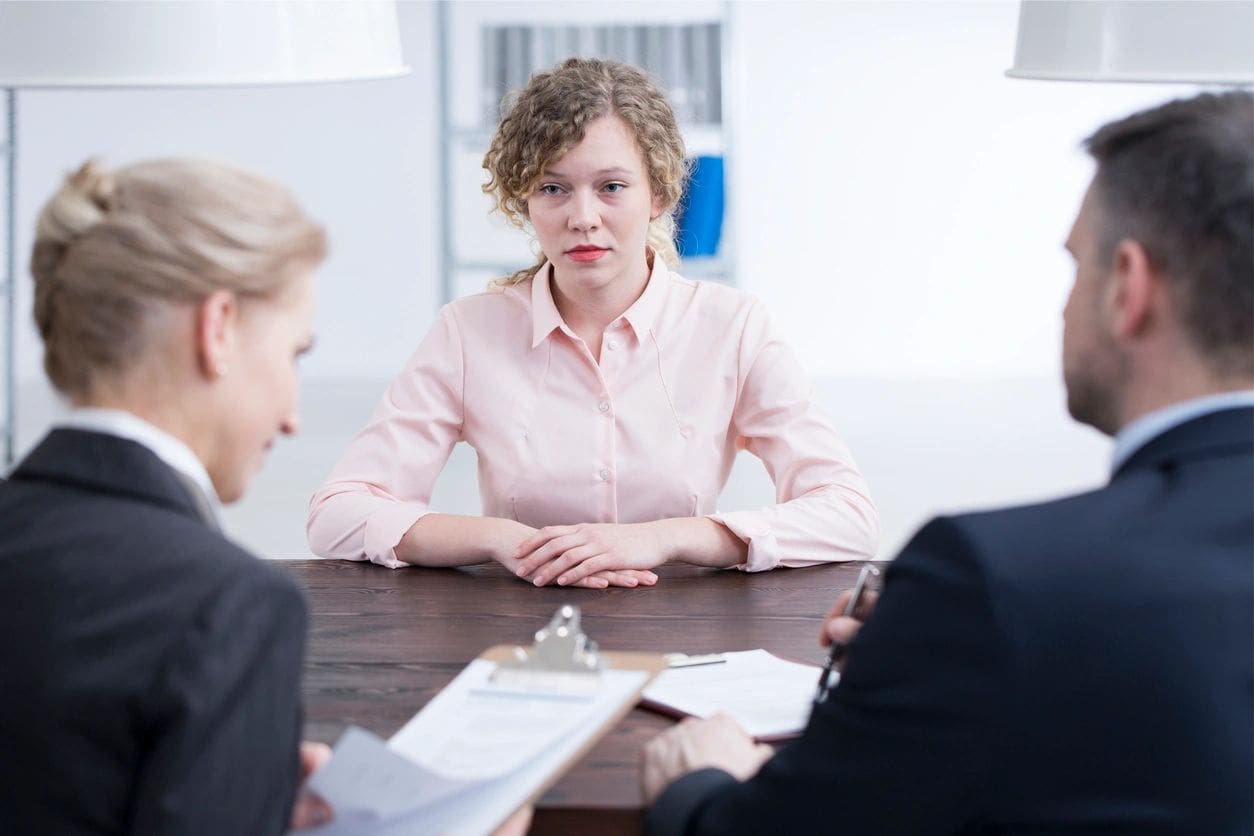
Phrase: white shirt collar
(1153, 424)
(164, 446)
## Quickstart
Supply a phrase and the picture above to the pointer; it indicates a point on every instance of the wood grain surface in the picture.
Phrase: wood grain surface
(383, 642)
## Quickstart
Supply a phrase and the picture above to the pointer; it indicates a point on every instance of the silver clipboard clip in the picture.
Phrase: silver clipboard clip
(561, 659)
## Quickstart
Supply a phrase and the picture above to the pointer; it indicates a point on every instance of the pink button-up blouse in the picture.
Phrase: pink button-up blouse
(689, 374)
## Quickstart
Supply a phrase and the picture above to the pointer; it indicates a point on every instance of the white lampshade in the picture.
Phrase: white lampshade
(123, 43)
(1196, 41)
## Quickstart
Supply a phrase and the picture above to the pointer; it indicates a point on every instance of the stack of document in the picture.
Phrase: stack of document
(768, 696)
(472, 756)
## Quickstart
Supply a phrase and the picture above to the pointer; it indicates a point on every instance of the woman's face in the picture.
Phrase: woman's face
(591, 210)
(259, 389)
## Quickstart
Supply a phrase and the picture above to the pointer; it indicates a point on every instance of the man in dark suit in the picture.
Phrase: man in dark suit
(1084, 665)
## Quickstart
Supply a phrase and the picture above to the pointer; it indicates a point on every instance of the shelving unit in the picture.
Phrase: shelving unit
(681, 43)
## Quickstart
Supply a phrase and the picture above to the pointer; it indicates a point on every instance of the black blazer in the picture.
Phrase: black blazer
(1079, 666)
(150, 668)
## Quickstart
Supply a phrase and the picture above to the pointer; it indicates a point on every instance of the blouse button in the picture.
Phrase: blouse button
(604, 406)
(604, 474)
(612, 344)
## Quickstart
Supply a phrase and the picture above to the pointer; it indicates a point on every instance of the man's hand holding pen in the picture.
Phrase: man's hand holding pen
(840, 628)
(719, 741)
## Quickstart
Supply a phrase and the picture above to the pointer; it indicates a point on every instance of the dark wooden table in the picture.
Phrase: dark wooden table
(382, 643)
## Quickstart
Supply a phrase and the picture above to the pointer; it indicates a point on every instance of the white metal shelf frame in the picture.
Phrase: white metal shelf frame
(8, 284)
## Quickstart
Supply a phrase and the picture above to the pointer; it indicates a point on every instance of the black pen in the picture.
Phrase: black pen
(838, 648)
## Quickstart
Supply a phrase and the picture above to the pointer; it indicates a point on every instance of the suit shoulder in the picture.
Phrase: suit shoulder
(1026, 518)
(156, 544)
(1101, 536)
(223, 585)
(236, 565)
(996, 534)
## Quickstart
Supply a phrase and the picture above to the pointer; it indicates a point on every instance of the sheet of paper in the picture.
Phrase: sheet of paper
(364, 776)
(474, 730)
(768, 696)
(471, 757)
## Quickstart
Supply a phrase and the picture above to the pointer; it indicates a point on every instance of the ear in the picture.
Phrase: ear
(656, 208)
(1131, 292)
(216, 320)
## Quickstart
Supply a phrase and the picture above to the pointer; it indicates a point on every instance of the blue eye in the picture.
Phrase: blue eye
(615, 188)
(550, 189)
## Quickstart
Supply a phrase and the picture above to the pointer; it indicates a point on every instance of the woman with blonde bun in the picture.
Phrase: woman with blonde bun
(606, 396)
(151, 667)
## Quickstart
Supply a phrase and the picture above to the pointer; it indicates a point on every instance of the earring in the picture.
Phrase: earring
(220, 369)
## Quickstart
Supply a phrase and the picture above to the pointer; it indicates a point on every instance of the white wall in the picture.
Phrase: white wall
(360, 156)
(899, 202)
(896, 200)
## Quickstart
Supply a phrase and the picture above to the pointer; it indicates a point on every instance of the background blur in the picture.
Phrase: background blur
(898, 203)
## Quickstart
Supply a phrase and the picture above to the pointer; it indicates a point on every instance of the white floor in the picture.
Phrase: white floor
(926, 446)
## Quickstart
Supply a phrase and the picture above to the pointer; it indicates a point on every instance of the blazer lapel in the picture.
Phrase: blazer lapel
(108, 464)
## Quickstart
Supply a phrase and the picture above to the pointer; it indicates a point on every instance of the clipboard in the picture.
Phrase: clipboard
(496, 738)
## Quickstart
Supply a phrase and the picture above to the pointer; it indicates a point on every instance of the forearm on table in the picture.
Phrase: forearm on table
(826, 526)
(822, 526)
(453, 540)
(701, 541)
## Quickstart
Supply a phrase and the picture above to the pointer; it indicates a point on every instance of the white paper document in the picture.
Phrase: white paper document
(471, 757)
(770, 697)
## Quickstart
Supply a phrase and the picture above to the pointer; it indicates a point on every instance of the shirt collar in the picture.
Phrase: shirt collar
(173, 451)
(545, 318)
(644, 311)
(1153, 424)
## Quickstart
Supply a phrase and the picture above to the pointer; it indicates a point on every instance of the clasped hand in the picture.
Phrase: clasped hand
(591, 554)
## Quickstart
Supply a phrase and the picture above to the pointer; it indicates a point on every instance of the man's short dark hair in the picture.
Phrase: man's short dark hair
(1179, 179)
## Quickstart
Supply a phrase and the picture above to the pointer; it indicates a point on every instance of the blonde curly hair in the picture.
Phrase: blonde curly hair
(549, 117)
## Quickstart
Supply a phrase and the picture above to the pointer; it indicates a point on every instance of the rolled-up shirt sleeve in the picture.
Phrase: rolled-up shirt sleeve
(823, 511)
(382, 484)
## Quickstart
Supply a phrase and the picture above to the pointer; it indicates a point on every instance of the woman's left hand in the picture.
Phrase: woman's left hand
(569, 553)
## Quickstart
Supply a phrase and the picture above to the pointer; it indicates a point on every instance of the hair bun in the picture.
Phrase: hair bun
(96, 184)
(83, 201)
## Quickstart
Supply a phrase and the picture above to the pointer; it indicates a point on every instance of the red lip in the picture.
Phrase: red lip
(585, 252)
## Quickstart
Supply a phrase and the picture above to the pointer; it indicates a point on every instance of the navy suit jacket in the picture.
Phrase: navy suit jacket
(1079, 666)
(150, 667)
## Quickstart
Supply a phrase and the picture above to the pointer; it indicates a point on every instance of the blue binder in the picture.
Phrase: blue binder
(700, 216)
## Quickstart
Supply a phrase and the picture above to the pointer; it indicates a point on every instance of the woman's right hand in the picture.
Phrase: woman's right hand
(456, 540)
(514, 533)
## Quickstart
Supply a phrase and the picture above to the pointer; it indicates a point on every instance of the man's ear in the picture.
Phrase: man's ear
(1131, 292)
(216, 320)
